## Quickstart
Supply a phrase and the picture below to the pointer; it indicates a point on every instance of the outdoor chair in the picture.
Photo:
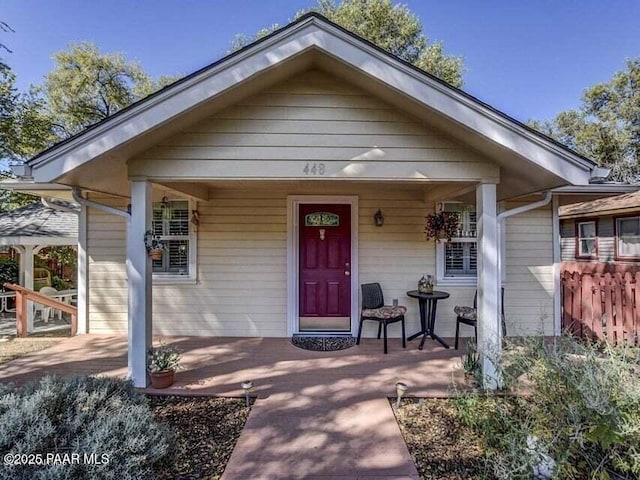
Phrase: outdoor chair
(373, 308)
(469, 316)
(45, 312)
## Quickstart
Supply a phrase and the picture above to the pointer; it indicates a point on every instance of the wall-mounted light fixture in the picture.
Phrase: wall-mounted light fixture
(195, 218)
(378, 218)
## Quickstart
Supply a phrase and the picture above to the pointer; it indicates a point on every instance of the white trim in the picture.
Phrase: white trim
(50, 241)
(445, 281)
(555, 232)
(160, 278)
(83, 273)
(309, 34)
(293, 294)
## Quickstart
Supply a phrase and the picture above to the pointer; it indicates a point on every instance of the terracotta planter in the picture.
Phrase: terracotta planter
(162, 379)
(156, 253)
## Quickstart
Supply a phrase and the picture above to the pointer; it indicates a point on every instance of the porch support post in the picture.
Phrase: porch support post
(139, 278)
(83, 272)
(489, 329)
(28, 253)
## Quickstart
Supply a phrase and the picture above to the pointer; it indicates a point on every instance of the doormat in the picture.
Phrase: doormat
(323, 344)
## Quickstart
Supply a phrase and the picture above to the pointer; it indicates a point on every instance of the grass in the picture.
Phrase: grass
(12, 347)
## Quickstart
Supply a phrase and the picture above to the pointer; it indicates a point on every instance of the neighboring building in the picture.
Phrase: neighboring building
(264, 174)
(601, 235)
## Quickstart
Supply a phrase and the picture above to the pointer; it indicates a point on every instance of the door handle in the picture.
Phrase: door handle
(347, 273)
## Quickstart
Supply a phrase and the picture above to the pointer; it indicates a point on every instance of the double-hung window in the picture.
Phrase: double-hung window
(457, 259)
(587, 239)
(628, 238)
(171, 224)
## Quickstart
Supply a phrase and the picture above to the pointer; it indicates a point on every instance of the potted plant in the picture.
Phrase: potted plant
(155, 246)
(163, 363)
(442, 226)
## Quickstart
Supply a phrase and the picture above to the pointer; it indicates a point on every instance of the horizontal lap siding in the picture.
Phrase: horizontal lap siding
(529, 273)
(241, 289)
(312, 117)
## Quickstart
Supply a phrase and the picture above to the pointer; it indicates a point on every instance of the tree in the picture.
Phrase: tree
(606, 125)
(394, 28)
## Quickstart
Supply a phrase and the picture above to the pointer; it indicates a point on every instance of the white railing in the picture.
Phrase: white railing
(4, 302)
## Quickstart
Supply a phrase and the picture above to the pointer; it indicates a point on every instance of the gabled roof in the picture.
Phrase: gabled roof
(116, 136)
(36, 220)
(629, 202)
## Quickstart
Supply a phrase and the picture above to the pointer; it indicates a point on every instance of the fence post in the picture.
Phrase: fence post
(21, 314)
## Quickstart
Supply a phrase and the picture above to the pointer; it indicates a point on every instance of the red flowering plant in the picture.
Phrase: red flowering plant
(443, 225)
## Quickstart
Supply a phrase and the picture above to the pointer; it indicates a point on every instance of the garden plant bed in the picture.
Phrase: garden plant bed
(441, 446)
(205, 431)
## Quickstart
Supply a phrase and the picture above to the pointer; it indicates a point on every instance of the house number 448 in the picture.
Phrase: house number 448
(314, 169)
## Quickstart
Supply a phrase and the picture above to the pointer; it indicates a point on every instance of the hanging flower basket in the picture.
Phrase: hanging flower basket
(442, 226)
(154, 246)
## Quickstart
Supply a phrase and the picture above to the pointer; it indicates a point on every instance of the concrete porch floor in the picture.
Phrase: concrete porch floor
(318, 414)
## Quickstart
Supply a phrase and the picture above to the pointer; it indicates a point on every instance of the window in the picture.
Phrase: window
(587, 239)
(171, 223)
(458, 258)
(628, 237)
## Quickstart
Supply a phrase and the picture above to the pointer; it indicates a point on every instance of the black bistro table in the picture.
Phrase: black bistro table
(428, 305)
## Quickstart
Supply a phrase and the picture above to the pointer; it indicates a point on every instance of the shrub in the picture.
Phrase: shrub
(580, 418)
(83, 415)
(9, 272)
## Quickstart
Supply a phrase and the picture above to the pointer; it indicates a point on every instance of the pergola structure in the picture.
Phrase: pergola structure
(31, 228)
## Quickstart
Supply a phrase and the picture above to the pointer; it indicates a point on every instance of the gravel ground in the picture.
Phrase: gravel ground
(13, 348)
(206, 430)
(441, 447)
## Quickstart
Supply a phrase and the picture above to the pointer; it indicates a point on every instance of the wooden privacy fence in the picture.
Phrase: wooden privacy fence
(602, 306)
(24, 295)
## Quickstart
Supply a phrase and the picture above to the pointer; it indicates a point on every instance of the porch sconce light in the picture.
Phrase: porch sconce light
(246, 387)
(195, 218)
(401, 389)
(378, 218)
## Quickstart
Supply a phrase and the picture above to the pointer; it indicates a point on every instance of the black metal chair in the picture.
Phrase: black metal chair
(469, 316)
(373, 308)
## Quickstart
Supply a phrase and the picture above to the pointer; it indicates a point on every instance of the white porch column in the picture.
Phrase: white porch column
(489, 329)
(139, 278)
(28, 253)
(83, 271)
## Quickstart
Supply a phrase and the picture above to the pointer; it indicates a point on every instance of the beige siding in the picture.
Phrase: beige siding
(311, 118)
(241, 288)
(529, 282)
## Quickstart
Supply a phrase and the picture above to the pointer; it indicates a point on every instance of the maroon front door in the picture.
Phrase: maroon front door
(325, 268)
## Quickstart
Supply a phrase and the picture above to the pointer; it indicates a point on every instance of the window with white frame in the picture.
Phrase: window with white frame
(587, 239)
(171, 224)
(457, 259)
(628, 237)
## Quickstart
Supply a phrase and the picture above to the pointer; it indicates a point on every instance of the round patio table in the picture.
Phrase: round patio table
(428, 304)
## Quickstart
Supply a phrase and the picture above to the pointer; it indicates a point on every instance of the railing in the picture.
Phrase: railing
(5, 297)
(602, 306)
(24, 295)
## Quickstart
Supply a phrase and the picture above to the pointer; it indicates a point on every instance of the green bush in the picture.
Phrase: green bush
(9, 272)
(83, 415)
(577, 415)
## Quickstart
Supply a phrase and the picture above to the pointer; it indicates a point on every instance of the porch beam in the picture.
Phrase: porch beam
(489, 328)
(190, 189)
(440, 193)
(139, 282)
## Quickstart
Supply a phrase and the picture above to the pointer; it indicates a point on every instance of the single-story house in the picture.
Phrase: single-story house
(601, 235)
(287, 174)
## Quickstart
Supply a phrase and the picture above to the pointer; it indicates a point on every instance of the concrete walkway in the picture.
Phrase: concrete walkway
(318, 414)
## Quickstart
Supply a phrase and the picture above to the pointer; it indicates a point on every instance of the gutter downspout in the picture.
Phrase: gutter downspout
(501, 232)
(77, 196)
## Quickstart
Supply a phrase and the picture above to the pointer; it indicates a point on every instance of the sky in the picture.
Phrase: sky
(530, 59)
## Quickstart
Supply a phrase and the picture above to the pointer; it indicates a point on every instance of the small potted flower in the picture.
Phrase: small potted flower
(442, 226)
(163, 363)
(155, 246)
